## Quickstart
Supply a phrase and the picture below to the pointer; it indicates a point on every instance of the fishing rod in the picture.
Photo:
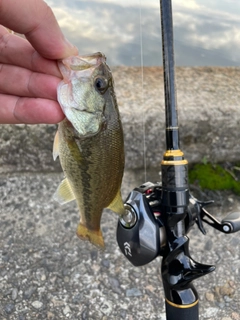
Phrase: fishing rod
(158, 216)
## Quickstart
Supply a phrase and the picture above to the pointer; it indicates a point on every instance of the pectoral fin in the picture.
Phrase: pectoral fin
(64, 192)
(117, 204)
(56, 146)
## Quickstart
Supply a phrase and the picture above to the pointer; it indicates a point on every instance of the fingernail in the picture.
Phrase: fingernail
(72, 50)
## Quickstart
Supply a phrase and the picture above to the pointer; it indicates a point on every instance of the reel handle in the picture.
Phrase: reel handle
(230, 224)
(233, 219)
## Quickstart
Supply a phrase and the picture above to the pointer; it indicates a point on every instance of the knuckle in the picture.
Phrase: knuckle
(4, 38)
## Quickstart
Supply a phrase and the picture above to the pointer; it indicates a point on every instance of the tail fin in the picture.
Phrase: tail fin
(95, 237)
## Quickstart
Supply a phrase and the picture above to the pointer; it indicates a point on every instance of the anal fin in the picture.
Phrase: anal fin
(117, 204)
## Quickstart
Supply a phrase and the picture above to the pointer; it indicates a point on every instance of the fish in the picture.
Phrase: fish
(89, 142)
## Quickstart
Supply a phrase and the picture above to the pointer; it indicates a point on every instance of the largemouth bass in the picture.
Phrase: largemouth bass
(89, 142)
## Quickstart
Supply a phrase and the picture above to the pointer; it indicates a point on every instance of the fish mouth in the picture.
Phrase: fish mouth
(78, 63)
(88, 61)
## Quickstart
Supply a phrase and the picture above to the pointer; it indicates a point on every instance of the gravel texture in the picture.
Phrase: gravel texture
(46, 272)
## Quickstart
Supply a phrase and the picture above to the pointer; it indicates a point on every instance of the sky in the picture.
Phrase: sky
(206, 32)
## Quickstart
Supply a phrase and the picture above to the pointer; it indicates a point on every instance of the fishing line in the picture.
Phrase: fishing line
(142, 97)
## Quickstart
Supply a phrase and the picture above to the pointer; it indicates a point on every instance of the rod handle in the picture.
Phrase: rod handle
(182, 312)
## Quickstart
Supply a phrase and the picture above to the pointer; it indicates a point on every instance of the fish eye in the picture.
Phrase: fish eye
(101, 84)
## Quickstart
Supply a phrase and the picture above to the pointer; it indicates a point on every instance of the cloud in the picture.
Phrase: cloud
(204, 33)
(212, 31)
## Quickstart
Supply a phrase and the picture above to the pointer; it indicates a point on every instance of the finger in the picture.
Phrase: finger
(29, 110)
(18, 51)
(35, 19)
(23, 82)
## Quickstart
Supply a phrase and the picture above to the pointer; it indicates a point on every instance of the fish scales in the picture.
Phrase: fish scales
(95, 175)
(93, 163)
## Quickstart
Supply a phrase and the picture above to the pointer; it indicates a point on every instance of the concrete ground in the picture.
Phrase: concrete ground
(46, 272)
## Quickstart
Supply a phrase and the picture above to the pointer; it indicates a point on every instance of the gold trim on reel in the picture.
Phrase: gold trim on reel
(182, 306)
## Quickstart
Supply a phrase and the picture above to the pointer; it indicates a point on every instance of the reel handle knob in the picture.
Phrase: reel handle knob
(231, 223)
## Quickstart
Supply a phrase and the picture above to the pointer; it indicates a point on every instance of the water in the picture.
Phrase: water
(206, 32)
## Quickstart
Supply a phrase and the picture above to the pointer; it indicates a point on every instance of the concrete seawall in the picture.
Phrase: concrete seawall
(209, 120)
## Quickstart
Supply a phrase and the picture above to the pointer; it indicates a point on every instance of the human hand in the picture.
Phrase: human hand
(28, 69)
